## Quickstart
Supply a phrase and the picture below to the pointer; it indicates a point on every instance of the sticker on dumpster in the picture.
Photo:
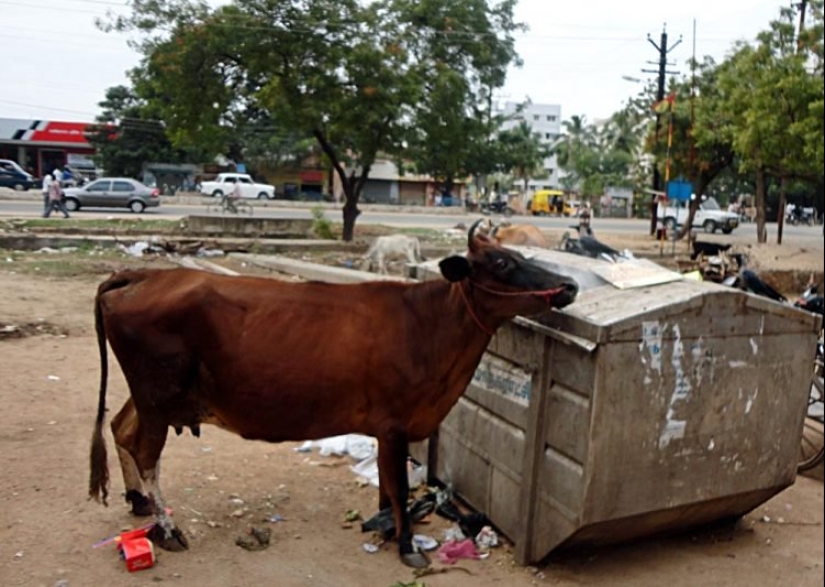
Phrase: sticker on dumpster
(503, 378)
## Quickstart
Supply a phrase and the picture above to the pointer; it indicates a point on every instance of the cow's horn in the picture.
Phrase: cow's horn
(494, 231)
(471, 234)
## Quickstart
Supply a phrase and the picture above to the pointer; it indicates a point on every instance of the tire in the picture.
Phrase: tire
(137, 206)
(19, 187)
(709, 226)
(264, 196)
(670, 224)
(727, 230)
(72, 205)
(508, 212)
(217, 194)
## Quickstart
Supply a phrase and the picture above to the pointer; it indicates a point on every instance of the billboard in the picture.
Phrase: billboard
(43, 132)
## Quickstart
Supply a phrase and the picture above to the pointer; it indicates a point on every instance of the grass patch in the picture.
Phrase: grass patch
(91, 263)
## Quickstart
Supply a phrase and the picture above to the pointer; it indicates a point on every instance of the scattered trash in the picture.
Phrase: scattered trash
(454, 533)
(384, 522)
(47, 250)
(136, 250)
(357, 446)
(453, 551)
(18, 554)
(766, 519)
(275, 518)
(369, 547)
(368, 469)
(254, 539)
(236, 501)
(352, 516)
(206, 449)
(425, 543)
(137, 551)
(416, 474)
(486, 539)
(204, 252)
(53, 378)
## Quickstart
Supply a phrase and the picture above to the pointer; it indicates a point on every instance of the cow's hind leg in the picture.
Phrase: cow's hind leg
(143, 439)
(124, 428)
(393, 448)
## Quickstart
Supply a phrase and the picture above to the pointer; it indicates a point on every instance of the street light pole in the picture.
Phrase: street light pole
(663, 50)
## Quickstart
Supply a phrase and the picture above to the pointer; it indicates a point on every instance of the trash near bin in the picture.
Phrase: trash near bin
(651, 404)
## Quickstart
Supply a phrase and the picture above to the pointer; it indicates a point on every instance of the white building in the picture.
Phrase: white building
(545, 120)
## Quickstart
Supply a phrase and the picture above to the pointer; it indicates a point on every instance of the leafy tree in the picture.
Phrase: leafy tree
(126, 135)
(460, 52)
(522, 152)
(353, 76)
(777, 104)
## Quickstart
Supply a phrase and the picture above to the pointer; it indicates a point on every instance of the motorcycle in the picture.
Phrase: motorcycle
(497, 207)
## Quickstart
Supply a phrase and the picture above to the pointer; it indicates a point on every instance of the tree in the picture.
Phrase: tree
(350, 75)
(522, 152)
(575, 151)
(775, 90)
(460, 52)
(126, 135)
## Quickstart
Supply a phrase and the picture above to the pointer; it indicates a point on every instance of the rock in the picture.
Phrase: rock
(254, 539)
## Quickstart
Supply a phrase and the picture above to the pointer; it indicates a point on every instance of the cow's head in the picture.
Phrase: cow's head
(511, 283)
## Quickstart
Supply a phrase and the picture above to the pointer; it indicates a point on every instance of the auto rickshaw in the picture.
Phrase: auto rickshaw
(546, 202)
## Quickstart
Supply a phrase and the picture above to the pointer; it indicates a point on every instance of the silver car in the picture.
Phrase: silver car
(112, 192)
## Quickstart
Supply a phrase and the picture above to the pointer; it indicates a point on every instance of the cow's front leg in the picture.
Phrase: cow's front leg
(392, 470)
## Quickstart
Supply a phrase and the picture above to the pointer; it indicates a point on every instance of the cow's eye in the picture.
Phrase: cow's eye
(500, 264)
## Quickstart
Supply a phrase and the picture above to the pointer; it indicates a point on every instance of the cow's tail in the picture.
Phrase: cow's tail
(98, 458)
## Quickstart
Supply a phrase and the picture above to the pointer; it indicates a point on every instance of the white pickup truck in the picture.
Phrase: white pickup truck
(225, 183)
(709, 216)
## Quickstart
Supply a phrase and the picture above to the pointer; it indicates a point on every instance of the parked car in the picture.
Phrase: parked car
(225, 183)
(13, 176)
(709, 216)
(112, 192)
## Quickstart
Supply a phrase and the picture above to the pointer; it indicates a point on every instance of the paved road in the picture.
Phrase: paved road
(794, 235)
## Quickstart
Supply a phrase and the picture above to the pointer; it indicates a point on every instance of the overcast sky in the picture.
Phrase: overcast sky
(56, 65)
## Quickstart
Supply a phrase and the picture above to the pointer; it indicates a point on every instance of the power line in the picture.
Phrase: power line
(25, 105)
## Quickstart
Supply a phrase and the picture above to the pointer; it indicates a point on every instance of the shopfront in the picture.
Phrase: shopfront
(39, 146)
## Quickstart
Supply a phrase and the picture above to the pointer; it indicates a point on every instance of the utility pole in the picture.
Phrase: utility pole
(663, 50)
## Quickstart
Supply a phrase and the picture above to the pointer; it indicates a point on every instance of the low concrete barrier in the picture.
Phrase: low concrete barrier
(249, 227)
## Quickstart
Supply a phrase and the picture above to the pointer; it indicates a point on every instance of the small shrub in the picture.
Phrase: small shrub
(321, 225)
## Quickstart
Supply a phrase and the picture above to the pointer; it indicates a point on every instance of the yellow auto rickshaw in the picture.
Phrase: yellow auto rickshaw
(551, 202)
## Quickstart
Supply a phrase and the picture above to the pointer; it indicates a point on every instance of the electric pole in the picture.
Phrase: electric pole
(663, 50)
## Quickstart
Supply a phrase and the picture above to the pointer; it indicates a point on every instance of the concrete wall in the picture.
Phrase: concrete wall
(255, 227)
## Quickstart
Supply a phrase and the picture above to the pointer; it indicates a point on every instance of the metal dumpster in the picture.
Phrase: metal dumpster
(651, 404)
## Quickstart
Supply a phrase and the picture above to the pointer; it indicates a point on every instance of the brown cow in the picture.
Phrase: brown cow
(279, 361)
(525, 235)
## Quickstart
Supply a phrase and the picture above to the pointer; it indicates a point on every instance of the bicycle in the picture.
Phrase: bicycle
(812, 451)
(228, 204)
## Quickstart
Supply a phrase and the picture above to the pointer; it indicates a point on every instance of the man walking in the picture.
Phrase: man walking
(55, 200)
(47, 180)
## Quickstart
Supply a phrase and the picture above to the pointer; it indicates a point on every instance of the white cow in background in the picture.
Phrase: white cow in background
(392, 246)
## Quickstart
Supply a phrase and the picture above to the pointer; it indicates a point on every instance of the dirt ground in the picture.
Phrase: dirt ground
(47, 527)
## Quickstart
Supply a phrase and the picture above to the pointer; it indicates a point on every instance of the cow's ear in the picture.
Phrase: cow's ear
(455, 268)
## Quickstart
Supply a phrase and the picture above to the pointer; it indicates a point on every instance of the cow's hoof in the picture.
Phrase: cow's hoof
(174, 542)
(140, 503)
(416, 560)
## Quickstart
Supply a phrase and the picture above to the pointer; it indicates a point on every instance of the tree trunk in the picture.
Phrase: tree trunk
(780, 215)
(350, 213)
(761, 232)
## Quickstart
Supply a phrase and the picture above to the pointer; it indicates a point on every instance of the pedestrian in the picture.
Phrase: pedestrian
(55, 195)
(47, 180)
(584, 215)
